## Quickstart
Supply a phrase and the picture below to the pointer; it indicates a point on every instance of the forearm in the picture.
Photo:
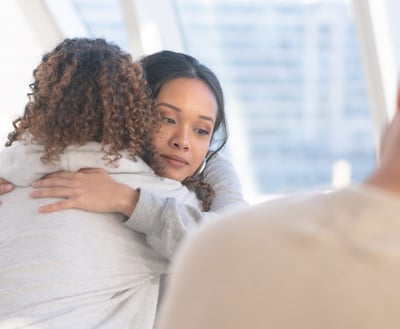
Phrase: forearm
(164, 221)
(126, 199)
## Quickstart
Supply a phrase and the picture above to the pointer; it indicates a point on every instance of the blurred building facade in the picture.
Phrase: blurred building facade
(294, 85)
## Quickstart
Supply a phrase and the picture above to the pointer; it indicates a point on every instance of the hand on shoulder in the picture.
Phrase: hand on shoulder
(88, 189)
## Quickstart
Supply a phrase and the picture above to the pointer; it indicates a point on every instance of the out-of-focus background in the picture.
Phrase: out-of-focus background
(309, 84)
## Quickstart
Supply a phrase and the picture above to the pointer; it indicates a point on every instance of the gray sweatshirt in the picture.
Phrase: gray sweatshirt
(76, 269)
(164, 220)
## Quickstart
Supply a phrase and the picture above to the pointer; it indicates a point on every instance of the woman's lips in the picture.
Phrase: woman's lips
(174, 160)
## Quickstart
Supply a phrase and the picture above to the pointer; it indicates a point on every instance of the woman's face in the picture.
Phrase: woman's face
(188, 110)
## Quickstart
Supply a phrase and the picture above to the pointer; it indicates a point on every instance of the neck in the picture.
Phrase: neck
(385, 178)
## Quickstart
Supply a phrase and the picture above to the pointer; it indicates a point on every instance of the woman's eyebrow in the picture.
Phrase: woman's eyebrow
(205, 117)
(172, 107)
(177, 109)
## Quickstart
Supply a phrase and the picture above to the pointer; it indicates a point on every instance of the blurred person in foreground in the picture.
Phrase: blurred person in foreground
(313, 260)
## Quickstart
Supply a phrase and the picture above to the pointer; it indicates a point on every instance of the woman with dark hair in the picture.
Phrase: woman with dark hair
(166, 66)
(89, 107)
(170, 67)
(193, 129)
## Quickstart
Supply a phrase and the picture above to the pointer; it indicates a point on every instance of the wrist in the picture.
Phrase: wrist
(128, 200)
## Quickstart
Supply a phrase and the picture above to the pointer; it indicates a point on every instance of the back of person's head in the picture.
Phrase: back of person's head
(164, 66)
(88, 90)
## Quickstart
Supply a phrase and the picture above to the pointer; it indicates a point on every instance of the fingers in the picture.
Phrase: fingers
(57, 206)
(53, 181)
(51, 192)
(73, 174)
(79, 190)
(68, 178)
(5, 188)
(56, 192)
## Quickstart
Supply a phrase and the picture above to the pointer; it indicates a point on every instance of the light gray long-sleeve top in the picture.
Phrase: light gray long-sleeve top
(76, 269)
(166, 221)
(163, 219)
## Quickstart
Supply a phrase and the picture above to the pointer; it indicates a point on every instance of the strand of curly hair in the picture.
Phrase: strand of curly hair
(203, 190)
(89, 90)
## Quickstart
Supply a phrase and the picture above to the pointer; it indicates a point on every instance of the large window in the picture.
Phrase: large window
(295, 89)
(295, 74)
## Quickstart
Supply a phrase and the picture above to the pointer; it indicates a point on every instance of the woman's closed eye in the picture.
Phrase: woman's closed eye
(201, 131)
(168, 120)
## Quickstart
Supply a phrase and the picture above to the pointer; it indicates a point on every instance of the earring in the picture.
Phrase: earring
(202, 167)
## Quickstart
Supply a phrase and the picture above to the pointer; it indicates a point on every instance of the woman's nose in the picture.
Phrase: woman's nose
(181, 140)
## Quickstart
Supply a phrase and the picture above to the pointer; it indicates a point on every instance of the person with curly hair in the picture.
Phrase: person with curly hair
(193, 131)
(89, 107)
(187, 93)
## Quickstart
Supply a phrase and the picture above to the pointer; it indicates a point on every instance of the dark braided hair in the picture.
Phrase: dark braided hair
(89, 90)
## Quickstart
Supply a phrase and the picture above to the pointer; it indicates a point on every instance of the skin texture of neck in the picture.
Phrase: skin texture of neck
(386, 179)
(387, 176)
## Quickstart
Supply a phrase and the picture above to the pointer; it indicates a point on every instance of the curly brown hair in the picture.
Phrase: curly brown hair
(89, 90)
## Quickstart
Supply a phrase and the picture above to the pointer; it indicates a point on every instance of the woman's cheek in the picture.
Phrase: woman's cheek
(160, 137)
